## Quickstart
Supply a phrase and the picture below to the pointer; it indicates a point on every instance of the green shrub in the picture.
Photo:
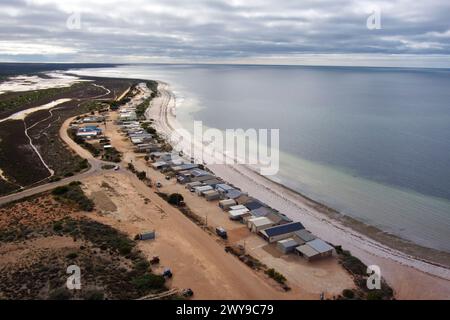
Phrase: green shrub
(175, 199)
(60, 294)
(141, 175)
(60, 190)
(278, 277)
(374, 295)
(94, 295)
(148, 282)
(72, 255)
(348, 293)
(57, 226)
(73, 193)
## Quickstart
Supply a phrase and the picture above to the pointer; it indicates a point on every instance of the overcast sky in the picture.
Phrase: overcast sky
(412, 33)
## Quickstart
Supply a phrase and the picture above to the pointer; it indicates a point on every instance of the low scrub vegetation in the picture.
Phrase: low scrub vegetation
(74, 194)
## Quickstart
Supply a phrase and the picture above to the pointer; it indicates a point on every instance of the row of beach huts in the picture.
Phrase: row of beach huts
(270, 224)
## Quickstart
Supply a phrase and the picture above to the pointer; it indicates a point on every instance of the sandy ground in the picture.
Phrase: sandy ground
(11, 253)
(307, 280)
(197, 261)
(410, 277)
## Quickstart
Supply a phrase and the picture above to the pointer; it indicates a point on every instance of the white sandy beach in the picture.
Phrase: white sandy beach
(411, 278)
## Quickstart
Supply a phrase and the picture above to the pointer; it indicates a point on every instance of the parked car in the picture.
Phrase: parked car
(116, 168)
(187, 293)
(167, 273)
(221, 232)
(158, 184)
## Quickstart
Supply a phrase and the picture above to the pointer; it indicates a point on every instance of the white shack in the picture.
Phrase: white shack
(257, 224)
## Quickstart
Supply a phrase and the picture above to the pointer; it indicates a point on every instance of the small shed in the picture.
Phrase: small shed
(238, 214)
(308, 252)
(238, 207)
(287, 245)
(257, 224)
(201, 189)
(226, 204)
(255, 204)
(303, 236)
(147, 235)
(284, 231)
(191, 185)
(233, 194)
(223, 188)
(211, 195)
(323, 248)
(160, 164)
(212, 182)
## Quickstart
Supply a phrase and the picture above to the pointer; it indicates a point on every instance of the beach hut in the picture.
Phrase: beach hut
(223, 188)
(307, 252)
(191, 185)
(287, 245)
(211, 195)
(256, 224)
(212, 183)
(303, 236)
(284, 231)
(238, 214)
(277, 217)
(252, 205)
(233, 194)
(159, 165)
(201, 189)
(323, 248)
(237, 207)
(226, 204)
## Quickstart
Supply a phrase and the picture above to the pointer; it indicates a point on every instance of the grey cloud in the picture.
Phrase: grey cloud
(209, 30)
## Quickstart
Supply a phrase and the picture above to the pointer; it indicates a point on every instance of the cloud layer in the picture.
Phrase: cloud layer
(212, 31)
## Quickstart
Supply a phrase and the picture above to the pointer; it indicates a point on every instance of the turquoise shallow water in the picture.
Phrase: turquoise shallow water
(373, 143)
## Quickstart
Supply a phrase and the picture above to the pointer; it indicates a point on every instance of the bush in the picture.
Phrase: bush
(57, 226)
(60, 190)
(348, 293)
(60, 294)
(94, 295)
(175, 199)
(375, 295)
(148, 282)
(141, 175)
(278, 277)
(72, 255)
(73, 193)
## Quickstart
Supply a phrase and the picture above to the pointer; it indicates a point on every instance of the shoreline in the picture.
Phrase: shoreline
(371, 245)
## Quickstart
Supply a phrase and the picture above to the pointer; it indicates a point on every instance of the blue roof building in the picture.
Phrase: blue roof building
(281, 232)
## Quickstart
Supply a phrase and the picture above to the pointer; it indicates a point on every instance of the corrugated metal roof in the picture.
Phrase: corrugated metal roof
(260, 221)
(227, 202)
(305, 235)
(319, 245)
(307, 251)
(260, 212)
(237, 207)
(224, 187)
(288, 243)
(252, 205)
(285, 228)
(233, 194)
